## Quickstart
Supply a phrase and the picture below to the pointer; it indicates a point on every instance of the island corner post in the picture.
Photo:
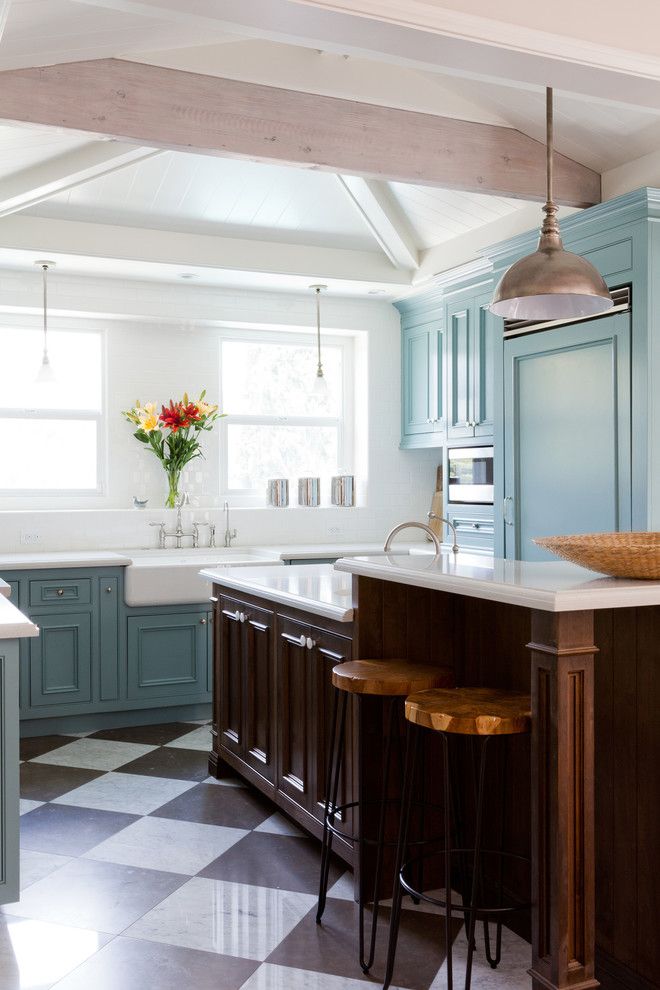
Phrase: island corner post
(562, 800)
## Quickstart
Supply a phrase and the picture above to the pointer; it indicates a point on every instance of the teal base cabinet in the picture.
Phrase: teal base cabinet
(168, 657)
(9, 764)
(98, 663)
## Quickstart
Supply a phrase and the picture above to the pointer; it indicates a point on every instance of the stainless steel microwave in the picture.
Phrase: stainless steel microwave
(470, 475)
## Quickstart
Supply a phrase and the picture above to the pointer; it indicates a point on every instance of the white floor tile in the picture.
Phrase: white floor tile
(343, 889)
(230, 918)
(166, 844)
(270, 977)
(27, 806)
(511, 974)
(94, 754)
(37, 865)
(225, 781)
(35, 955)
(131, 793)
(279, 825)
(199, 739)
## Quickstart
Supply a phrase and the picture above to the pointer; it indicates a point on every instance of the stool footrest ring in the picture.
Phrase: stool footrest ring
(341, 809)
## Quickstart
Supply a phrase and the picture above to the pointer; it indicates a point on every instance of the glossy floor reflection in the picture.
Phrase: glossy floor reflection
(139, 871)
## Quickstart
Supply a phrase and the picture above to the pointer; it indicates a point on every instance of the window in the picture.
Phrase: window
(277, 426)
(50, 433)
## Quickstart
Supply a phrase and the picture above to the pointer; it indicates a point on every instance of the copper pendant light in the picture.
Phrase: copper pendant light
(551, 283)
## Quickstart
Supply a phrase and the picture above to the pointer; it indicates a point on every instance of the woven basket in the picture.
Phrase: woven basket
(623, 555)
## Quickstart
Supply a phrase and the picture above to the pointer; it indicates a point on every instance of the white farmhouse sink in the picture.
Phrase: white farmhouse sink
(171, 577)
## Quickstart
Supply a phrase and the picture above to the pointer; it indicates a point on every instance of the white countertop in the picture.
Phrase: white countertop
(62, 558)
(13, 624)
(552, 586)
(4, 588)
(316, 588)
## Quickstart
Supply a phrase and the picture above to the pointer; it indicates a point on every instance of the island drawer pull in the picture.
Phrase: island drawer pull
(234, 616)
(259, 626)
(242, 617)
(212, 598)
(295, 640)
(311, 643)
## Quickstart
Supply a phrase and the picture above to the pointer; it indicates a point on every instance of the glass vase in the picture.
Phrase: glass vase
(173, 480)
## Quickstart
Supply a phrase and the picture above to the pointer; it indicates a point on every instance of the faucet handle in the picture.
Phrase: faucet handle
(161, 533)
(211, 535)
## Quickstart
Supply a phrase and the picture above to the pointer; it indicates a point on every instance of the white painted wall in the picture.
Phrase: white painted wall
(162, 340)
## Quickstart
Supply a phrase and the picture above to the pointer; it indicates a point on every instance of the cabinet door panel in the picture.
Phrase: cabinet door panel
(293, 670)
(9, 767)
(460, 372)
(329, 650)
(567, 433)
(437, 386)
(258, 688)
(166, 656)
(487, 334)
(417, 380)
(60, 660)
(229, 675)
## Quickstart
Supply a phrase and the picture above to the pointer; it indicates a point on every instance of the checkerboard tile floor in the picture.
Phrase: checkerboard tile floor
(137, 869)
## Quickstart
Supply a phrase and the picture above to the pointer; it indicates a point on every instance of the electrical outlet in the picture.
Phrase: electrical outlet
(29, 538)
(334, 530)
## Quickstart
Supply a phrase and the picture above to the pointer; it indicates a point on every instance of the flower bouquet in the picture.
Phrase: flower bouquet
(173, 434)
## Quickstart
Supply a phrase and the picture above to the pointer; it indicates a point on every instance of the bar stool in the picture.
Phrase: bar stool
(481, 713)
(393, 681)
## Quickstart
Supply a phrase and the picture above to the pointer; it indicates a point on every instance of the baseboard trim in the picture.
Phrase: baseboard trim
(94, 721)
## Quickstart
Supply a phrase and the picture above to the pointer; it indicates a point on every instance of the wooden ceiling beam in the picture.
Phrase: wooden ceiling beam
(185, 111)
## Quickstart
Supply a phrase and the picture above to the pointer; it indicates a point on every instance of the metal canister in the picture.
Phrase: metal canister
(342, 490)
(309, 491)
(278, 492)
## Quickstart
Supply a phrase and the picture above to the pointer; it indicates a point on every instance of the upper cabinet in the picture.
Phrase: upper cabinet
(448, 352)
(470, 353)
(423, 392)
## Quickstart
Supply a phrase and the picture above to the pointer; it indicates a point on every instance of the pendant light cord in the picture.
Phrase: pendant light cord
(549, 143)
(44, 269)
(319, 370)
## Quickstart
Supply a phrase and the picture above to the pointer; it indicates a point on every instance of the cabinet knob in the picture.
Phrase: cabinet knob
(310, 643)
(237, 615)
(242, 617)
(108, 591)
(60, 592)
(202, 622)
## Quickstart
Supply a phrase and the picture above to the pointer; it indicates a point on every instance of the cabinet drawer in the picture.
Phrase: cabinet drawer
(77, 591)
(473, 530)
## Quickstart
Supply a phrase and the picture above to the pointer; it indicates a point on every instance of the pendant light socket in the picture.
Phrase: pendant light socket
(320, 386)
(45, 374)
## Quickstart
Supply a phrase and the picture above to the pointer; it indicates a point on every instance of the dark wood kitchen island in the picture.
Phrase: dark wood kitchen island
(588, 648)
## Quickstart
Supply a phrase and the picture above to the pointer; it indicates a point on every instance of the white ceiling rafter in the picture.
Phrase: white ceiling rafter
(382, 217)
(179, 251)
(67, 171)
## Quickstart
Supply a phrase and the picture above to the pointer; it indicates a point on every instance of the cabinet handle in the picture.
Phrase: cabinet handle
(108, 591)
(506, 504)
(235, 616)
(60, 592)
(212, 598)
(202, 622)
(242, 617)
(303, 640)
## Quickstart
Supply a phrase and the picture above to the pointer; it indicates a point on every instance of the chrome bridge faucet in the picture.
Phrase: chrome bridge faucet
(179, 533)
(230, 534)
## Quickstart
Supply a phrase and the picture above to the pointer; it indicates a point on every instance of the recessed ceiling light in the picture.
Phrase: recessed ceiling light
(188, 275)
(376, 292)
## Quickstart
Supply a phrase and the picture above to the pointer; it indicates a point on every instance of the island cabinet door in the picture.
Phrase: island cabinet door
(294, 686)
(230, 664)
(258, 690)
(328, 650)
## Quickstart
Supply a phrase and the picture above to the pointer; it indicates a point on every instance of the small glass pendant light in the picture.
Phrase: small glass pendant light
(320, 384)
(45, 374)
(551, 283)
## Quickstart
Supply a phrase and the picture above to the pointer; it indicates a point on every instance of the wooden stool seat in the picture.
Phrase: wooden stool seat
(471, 711)
(389, 678)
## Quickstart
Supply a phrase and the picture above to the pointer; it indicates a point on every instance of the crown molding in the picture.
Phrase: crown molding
(440, 285)
(641, 204)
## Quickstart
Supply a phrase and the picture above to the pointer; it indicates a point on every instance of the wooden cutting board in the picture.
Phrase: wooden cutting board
(437, 504)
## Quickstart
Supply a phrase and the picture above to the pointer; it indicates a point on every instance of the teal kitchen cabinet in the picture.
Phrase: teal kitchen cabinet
(168, 656)
(9, 764)
(471, 336)
(423, 385)
(567, 433)
(60, 660)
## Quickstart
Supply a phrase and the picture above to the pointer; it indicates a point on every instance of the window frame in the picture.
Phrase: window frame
(98, 416)
(344, 422)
